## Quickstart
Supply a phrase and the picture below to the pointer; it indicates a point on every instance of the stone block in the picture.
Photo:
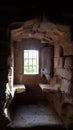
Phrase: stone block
(65, 85)
(68, 62)
(68, 50)
(65, 73)
(58, 62)
(58, 51)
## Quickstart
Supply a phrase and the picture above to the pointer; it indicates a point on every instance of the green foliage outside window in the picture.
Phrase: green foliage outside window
(30, 61)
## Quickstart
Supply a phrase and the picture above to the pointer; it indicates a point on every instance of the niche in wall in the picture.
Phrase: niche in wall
(45, 61)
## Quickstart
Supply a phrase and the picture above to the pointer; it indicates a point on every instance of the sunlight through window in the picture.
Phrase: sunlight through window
(31, 62)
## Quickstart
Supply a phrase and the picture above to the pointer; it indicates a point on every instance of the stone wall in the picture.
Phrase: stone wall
(4, 54)
(59, 36)
(63, 68)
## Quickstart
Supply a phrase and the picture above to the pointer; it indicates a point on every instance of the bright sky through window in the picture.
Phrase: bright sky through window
(31, 62)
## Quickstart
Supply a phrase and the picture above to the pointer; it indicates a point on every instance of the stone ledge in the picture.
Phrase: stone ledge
(19, 88)
(47, 87)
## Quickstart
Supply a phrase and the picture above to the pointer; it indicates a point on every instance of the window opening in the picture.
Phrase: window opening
(31, 62)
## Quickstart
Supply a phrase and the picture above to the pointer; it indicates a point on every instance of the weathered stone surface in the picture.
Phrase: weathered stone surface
(58, 51)
(60, 83)
(51, 32)
(55, 80)
(63, 28)
(65, 86)
(65, 37)
(67, 113)
(31, 22)
(63, 105)
(17, 31)
(65, 33)
(68, 49)
(46, 26)
(65, 73)
(58, 62)
(58, 36)
(68, 62)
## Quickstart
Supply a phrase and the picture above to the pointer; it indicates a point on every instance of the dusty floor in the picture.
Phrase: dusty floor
(34, 115)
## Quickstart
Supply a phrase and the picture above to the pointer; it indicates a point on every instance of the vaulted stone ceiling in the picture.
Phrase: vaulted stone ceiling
(22, 10)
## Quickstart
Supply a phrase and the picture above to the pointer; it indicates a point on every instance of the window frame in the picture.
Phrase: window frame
(37, 63)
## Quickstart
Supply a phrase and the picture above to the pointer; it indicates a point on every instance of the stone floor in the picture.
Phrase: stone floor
(34, 115)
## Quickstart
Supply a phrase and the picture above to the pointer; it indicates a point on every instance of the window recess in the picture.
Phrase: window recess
(31, 62)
